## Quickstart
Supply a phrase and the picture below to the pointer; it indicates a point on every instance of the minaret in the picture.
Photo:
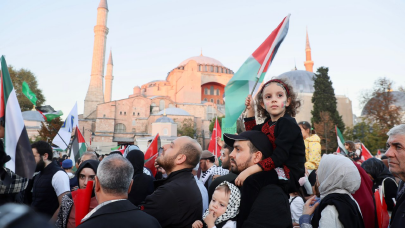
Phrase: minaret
(95, 94)
(309, 64)
(108, 79)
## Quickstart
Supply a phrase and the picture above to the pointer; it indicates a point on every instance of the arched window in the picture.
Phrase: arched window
(212, 90)
(205, 99)
(120, 128)
(218, 102)
(104, 116)
(212, 69)
(133, 130)
(133, 113)
(212, 100)
(206, 91)
(218, 92)
(165, 131)
(205, 68)
(133, 122)
(125, 113)
(199, 68)
(161, 105)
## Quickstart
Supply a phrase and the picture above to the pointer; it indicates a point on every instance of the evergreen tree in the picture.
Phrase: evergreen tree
(18, 77)
(324, 114)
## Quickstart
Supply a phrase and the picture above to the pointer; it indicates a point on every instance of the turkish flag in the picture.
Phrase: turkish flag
(365, 153)
(216, 132)
(381, 208)
(151, 154)
(81, 198)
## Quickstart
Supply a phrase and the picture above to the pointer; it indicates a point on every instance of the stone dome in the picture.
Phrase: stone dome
(174, 111)
(164, 119)
(300, 80)
(203, 60)
(400, 101)
(32, 116)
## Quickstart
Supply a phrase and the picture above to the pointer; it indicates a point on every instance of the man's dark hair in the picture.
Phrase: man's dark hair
(43, 148)
(211, 159)
(252, 148)
(357, 141)
(229, 148)
(192, 153)
(150, 140)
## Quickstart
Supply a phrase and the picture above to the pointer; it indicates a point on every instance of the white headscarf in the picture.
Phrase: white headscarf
(232, 210)
(337, 174)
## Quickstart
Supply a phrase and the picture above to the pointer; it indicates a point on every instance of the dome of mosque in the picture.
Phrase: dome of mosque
(164, 119)
(300, 80)
(203, 60)
(399, 101)
(32, 116)
(174, 111)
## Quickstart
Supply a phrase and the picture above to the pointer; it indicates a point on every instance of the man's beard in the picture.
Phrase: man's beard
(238, 168)
(227, 164)
(166, 162)
(40, 165)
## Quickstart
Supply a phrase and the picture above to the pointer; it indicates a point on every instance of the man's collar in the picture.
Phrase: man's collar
(98, 207)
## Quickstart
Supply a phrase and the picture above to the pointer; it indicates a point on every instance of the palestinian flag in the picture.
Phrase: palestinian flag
(16, 142)
(365, 153)
(48, 112)
(341, 142)
(151, 154)
(251, 72)
(78, 146)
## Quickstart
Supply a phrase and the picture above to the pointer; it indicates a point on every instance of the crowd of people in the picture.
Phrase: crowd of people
(271, 175)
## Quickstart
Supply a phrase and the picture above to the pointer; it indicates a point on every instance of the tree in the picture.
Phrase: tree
(371, 135)
(49, 130)
(379, 105)
(211, 127)
(325, 129)
(18, 77)
(324, 114)
(186, 128)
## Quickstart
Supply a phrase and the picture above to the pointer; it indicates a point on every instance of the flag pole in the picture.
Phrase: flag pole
(216, 136)
(269, 54)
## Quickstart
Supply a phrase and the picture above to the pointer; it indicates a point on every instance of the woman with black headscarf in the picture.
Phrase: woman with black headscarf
(86, 172)
(380, 175)
(143, 184)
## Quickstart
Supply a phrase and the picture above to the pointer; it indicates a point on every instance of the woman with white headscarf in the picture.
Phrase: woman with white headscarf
(338, 178)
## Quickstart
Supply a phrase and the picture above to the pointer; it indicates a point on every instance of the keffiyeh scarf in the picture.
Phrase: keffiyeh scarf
(214, 170)
(232, 210)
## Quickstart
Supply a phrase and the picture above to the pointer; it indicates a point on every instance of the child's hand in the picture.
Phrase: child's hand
(246, 173)
(197, 224)
(210, 219)
(250, 111)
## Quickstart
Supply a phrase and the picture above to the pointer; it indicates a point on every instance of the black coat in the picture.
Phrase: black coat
(398, 214)
(177, 200)
(121, 214)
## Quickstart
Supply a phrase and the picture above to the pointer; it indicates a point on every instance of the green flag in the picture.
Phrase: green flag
(28, 93)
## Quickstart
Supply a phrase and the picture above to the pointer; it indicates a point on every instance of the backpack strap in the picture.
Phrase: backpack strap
(292, 200)
(382, 187)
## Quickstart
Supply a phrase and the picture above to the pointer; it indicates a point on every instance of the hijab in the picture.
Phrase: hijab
(337, 174)
(137, 159)
(377, 170)
(92, 164)
(129, 149)
(232, 210)
(143, 184)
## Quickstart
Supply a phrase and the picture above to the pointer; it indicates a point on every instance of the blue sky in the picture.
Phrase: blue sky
(359, 41)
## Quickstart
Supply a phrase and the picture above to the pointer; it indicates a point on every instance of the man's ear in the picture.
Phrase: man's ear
(97, 188)
(130, 186)
(46, 156)
(180, 159)
(257, 157)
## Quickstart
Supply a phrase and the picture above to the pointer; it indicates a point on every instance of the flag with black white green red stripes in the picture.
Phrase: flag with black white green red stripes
(340, 141)
(16, 142)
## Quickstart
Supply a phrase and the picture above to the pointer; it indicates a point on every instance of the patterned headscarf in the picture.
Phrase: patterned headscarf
(232, 210)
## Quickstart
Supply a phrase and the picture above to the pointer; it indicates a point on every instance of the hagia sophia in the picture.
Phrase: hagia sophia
(192, 90)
